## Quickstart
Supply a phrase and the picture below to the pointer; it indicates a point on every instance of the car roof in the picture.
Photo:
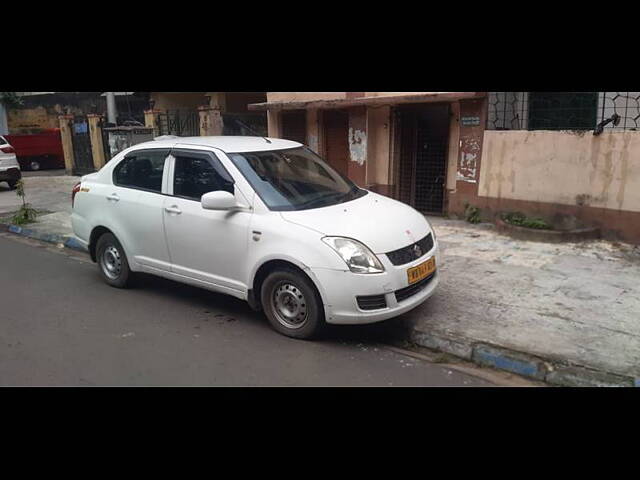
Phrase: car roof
(228, 144)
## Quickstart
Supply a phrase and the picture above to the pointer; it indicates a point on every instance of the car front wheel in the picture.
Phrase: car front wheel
(112, 261)
(292, 304)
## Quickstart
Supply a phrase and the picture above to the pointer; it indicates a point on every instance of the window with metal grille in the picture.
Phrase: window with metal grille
(562, 110)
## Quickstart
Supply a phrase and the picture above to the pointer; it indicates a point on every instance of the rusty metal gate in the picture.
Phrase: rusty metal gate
(82, 154)
(422, 134)
(183, 123)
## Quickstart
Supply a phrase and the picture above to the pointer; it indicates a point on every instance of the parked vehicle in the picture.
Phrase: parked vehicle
(39, 150)
(262, 219)
(9, 167)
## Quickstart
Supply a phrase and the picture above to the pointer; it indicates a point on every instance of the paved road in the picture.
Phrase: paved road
(49, 172)
(60, 325)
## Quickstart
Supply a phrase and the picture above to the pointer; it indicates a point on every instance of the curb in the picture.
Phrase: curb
(550, 236)
(520, 363)
(67, 241)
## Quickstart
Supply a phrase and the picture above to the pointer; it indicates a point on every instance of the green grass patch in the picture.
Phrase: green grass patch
(521, 220)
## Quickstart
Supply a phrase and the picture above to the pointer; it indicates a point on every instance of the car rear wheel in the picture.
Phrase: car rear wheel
(292, 304)
(12, 184)
(112, 261)
(34, 165)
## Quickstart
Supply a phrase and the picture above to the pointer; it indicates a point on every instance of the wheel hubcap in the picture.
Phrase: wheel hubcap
(111, 263)
(290, 306)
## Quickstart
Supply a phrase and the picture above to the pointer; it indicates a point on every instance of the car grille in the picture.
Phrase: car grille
(412, 252)
(411, 290)
(371, 302)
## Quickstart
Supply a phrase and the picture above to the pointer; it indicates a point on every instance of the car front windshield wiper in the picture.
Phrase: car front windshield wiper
(319, 202)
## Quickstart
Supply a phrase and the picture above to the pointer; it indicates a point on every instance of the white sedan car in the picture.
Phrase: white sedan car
(9, 166)
(262, 219)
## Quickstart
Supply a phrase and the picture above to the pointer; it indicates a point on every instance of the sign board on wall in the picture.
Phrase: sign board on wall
(470, 121)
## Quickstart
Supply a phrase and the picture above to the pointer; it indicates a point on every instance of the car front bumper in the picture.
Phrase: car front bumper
(340, 290)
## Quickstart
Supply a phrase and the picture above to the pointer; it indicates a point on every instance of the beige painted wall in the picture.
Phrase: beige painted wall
(378, 124)
(304, 96)
(396, 94)
(454, 146)
(31, 118)
(178, 100)
(562, 167)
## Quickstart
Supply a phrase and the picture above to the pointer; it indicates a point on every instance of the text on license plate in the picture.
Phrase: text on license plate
(417, 273)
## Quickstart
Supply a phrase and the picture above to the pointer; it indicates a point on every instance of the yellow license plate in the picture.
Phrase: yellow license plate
(417, 273)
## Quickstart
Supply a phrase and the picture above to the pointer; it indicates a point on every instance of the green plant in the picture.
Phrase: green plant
(521, 220)
(26, 213)
(471, 213)
(10, 99)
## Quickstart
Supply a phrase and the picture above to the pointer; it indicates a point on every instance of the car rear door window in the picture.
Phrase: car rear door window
(195, 175)
(142, 170)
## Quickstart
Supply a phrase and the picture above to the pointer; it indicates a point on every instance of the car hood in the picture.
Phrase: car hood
(381, 223)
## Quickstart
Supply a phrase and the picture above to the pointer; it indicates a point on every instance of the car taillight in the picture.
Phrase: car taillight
(7, 149)
(76, 189)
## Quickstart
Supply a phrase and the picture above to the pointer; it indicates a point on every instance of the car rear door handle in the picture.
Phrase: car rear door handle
(113, 197)
(173, 209)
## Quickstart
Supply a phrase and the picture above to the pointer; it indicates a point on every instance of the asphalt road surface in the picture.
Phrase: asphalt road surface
(61, 325)
(47, 172)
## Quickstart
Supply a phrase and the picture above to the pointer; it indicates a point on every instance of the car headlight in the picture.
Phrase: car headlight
(357, 256)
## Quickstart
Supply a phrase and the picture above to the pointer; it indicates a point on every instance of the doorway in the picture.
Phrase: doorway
(423, 137)
(336, 139)
(294, 126)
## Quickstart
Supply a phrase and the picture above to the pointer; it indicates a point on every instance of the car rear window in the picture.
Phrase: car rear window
(3, 141)
(141, 170)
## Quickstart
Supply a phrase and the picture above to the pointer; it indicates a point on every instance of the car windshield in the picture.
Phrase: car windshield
(294, 179)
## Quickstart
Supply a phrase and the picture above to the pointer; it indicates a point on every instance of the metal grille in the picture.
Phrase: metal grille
(564, 111)
(430, 171)
(410, 253)
(244, 124)
(412, 290)
(371, 302)
(82, 153)
(423, 137)
(183, 123)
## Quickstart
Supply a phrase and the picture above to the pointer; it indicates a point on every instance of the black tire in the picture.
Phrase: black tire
(288, 288)
(34, 165)
(112, 261)
(12, 184)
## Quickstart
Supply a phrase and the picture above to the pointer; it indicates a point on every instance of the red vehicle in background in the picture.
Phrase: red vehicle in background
(38, 150)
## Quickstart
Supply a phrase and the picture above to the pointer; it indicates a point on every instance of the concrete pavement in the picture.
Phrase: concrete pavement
(571, 309)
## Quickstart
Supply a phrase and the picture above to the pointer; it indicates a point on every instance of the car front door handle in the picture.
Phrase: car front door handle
(173, 209)
(113, 197)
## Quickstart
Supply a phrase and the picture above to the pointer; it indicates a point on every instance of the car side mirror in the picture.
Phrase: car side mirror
(218, 200)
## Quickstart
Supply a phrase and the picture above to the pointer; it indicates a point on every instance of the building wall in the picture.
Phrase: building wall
(378, 149)
(178, 100)
(304, 96)
(560, 167)
(594, 178)
(23, 120)
(395, 94)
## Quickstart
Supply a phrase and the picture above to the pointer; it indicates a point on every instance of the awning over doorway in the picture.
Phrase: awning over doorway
(378, 100)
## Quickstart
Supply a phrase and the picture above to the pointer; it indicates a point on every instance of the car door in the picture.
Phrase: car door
(135, 203)
(205, 245)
